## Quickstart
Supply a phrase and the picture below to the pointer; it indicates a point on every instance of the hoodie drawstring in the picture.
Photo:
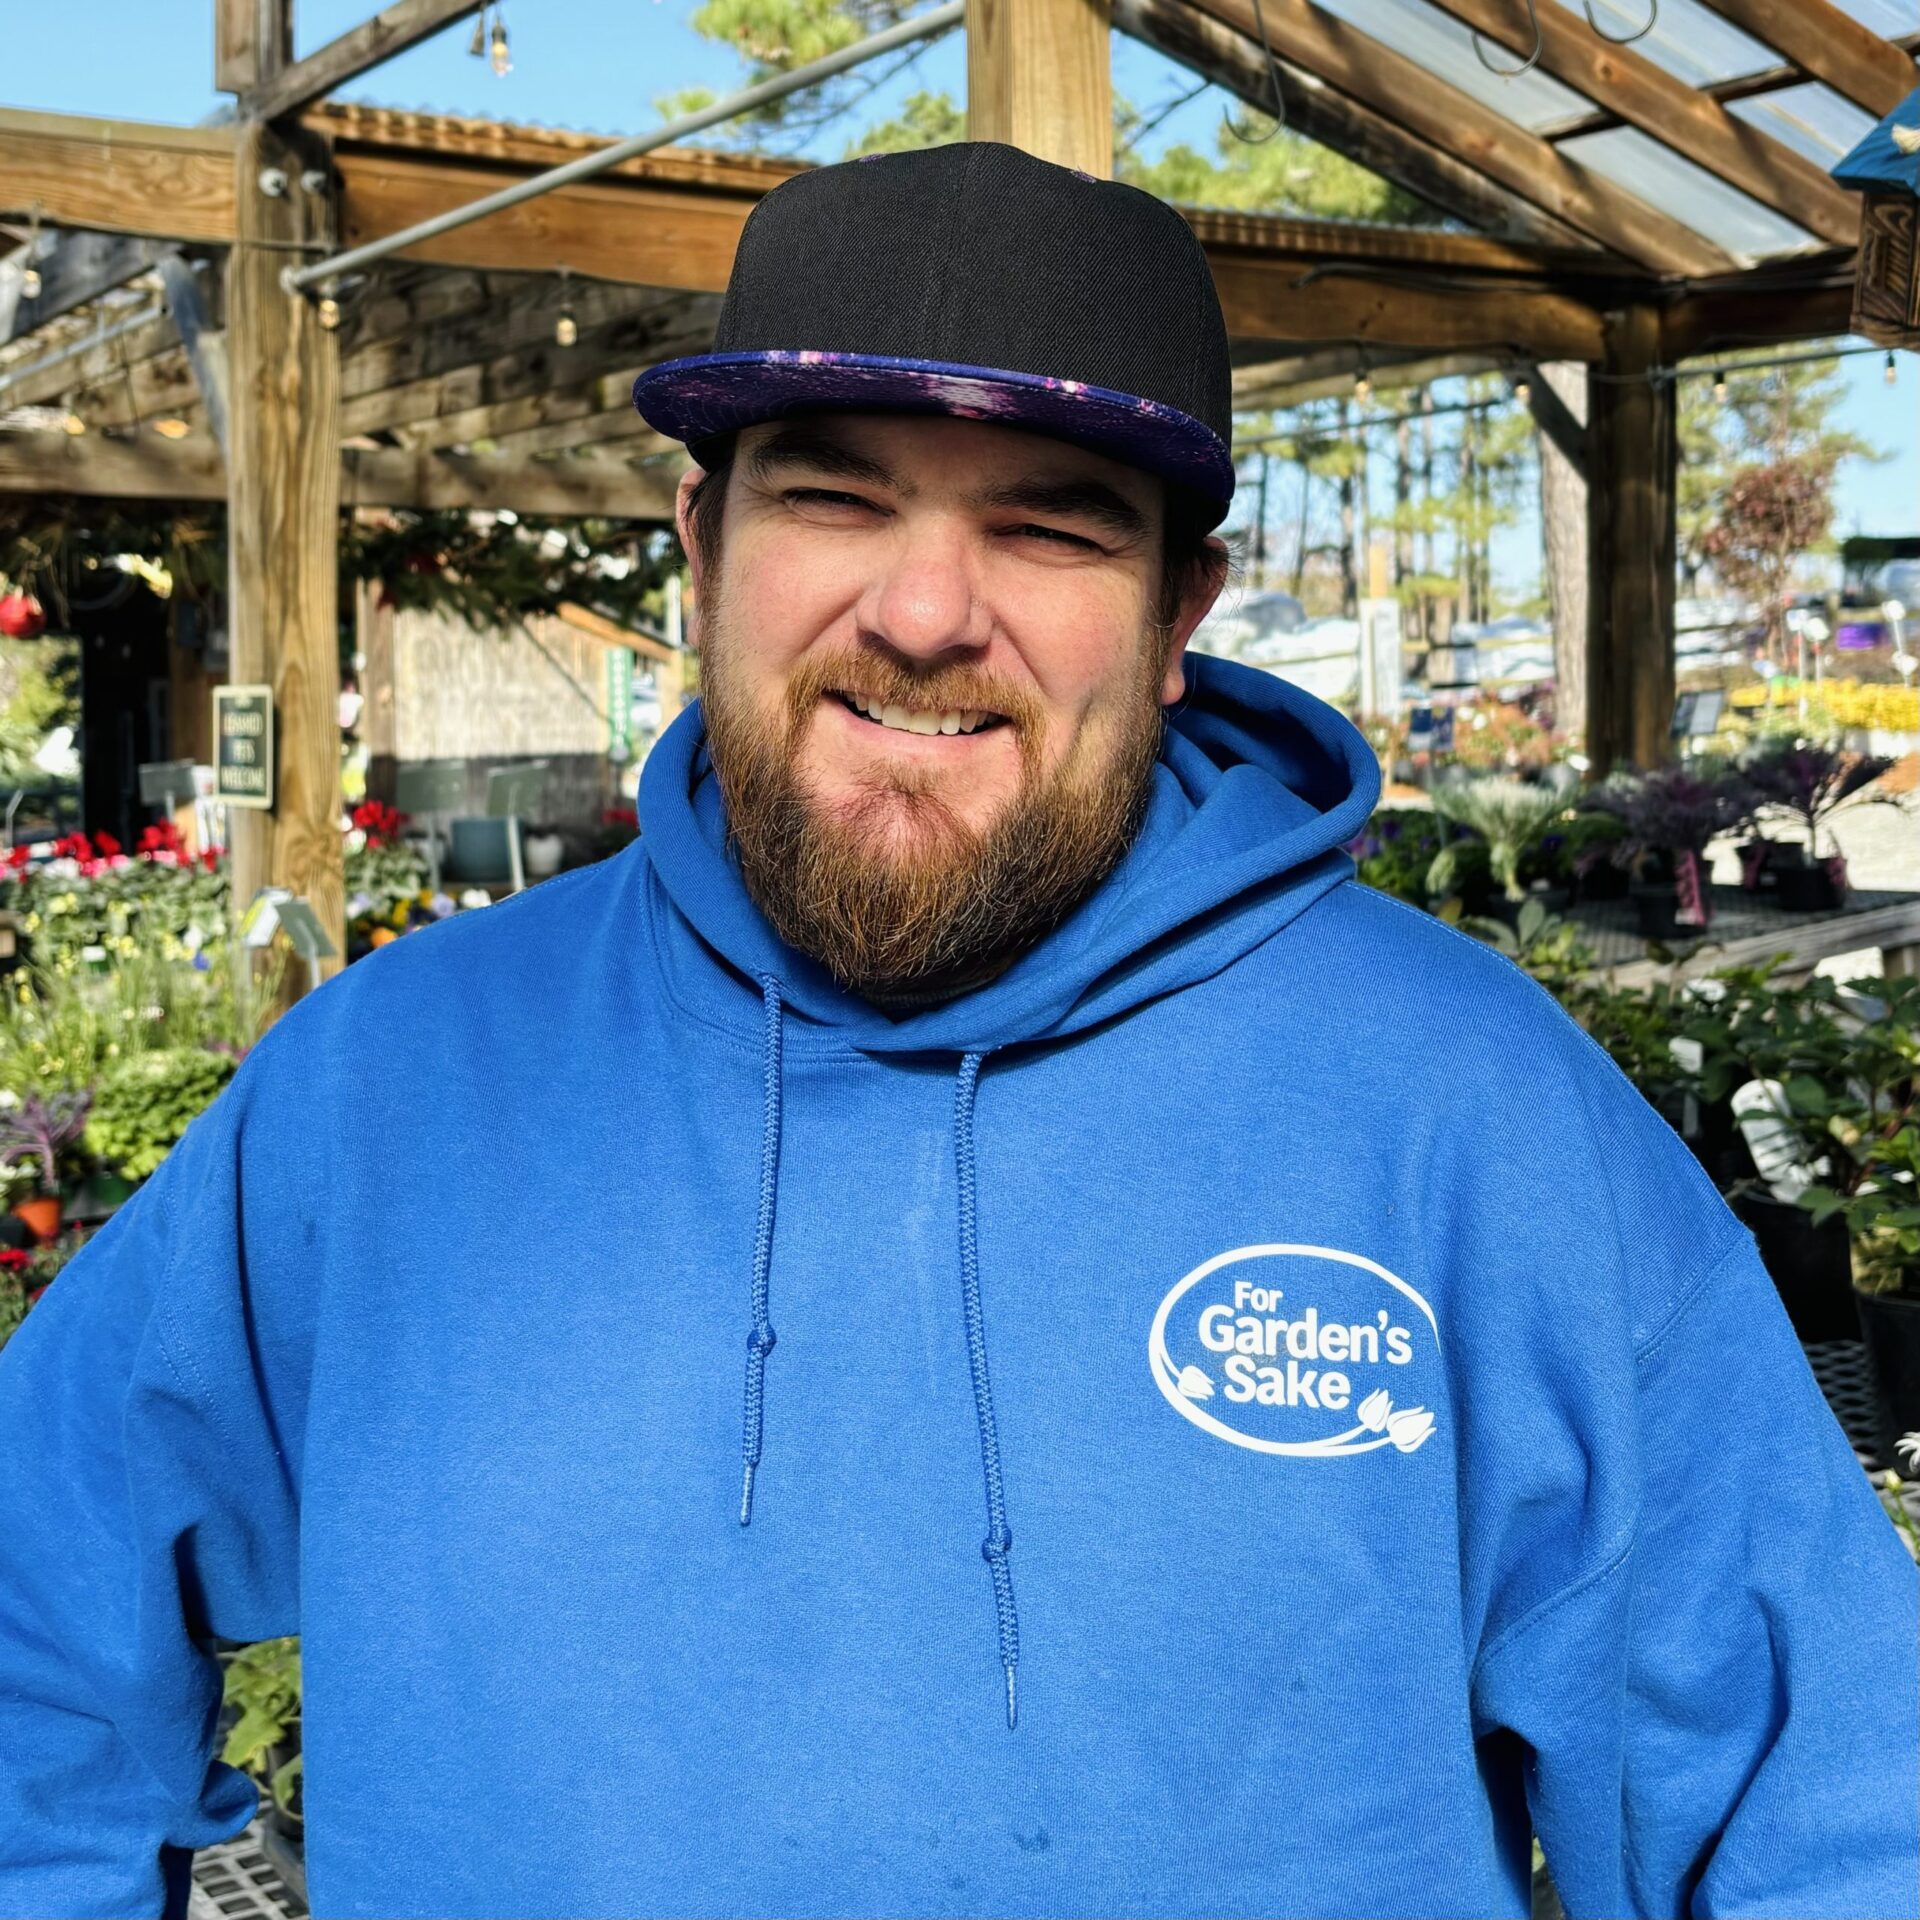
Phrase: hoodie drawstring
(999, 1541)
(760, 1340)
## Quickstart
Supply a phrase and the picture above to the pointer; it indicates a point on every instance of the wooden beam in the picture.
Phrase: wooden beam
(552, 416)
(622, 425)
(1647, 96)
(1762, 308)
(91, 366)
(121, 176)
(393, 31)
(283, 526)
(1272, 298)
(252, 41)
(74, 268)
(146, 467)
(206, 346)
(1631, 462)
(1746, 86)
(1376, 75)
(1372, 140)
(1556, 421)
(1039, 77)
(1828, 44)
(598, 627)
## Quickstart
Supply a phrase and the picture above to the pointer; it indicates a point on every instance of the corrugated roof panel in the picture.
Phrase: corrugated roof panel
(1689, 40)
(1812, 120)
(1890, 19)
(1444, 47)
(1688, 193)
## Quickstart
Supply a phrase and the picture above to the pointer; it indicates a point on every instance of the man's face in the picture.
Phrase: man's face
(943, 574)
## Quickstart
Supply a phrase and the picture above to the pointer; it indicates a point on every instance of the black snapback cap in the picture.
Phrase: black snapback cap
(977, 281)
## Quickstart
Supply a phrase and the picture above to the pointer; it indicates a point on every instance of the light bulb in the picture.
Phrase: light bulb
(566, 330)
(1719, 383)
(1523, 391)
(30, 284)
(172, 428)
(1362, 388)
(74, 425)
(328, 312)
(1891, 374)
(501, 64)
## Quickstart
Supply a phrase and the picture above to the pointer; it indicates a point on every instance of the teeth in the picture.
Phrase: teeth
(965, 721)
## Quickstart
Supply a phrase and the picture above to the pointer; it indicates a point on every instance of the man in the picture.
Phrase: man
(1264, 1418)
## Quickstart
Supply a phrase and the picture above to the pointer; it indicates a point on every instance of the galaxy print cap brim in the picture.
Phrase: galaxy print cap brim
(705, 395)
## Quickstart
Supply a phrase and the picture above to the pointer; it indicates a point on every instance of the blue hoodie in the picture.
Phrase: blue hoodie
(1247, 1413)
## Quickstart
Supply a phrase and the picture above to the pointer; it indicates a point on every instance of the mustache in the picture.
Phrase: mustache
(877, 681)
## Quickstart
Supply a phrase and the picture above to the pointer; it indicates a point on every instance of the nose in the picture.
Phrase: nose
(925, 598)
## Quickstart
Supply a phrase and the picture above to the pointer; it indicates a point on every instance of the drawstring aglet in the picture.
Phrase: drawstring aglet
(1010, 1701)
(746, 1495)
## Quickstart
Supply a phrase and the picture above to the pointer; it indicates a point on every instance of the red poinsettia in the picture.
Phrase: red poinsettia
(14, 1260)
(17, 858)
(162, 842)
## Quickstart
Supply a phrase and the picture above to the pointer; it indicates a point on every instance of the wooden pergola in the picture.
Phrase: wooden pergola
(440, 382)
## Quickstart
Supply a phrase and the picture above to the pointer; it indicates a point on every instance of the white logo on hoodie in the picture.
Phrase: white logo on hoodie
(1298, 1350)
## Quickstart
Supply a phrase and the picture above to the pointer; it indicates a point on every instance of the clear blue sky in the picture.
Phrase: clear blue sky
(599, 66)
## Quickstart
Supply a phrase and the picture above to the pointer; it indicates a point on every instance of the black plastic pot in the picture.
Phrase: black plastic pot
(1721, 1148)
(1812, 1267)
(1809, 890)
(1656, 907)
(1890, 1325)
(1604, 881)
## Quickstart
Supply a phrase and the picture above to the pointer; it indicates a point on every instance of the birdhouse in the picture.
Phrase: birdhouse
(1885, 169)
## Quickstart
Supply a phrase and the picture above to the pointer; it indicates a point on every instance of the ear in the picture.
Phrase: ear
(683, 525)
(1195, 604)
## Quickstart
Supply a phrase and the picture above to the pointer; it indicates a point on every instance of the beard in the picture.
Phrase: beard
(894, 893)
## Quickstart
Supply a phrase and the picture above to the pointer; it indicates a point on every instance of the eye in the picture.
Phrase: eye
(824, 497)
(1058, 537)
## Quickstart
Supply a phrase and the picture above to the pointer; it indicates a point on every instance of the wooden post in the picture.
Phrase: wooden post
(1040, 77)
(1632, 447)
(283, 511)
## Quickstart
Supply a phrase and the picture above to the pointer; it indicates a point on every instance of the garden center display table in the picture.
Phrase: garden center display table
(1749, 928)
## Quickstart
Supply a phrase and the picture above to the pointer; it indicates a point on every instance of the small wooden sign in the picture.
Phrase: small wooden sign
(243, 746)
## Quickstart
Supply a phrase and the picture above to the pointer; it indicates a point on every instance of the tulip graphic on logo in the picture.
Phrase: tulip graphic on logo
(1407, 1428)
(1194, 1384)
(1374, 1409)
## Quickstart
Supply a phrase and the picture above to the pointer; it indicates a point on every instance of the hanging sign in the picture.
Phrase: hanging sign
(620, 704)
(243, 746)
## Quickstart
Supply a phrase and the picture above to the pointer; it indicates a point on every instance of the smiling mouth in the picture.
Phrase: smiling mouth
(953, 720)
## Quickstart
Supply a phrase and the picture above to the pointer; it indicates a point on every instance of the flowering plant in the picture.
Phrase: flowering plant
(1811, 779)
(1677, 810)
(43, 1127)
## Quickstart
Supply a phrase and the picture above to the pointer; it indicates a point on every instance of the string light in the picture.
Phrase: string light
(501, 64)
(30, 276)
(1891, 373)
(74, 425)
(172, 428)
(30, 284)
(327, 311)
(1523, 390)
(1720, 383)
(1362, 387)
(566, 329)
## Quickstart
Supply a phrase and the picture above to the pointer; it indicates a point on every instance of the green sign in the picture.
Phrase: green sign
(620, 703)
(243, 746)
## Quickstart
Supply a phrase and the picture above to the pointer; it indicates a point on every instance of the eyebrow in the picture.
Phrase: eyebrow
(805, 445)
(1090, 500)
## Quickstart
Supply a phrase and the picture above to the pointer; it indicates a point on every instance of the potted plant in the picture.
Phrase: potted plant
(1510, 816)
(1584, 856)
(261, 1698)
(39, 1133)
(146, 1101)
(1811, 780)
(1674, 812)
(1395, 850)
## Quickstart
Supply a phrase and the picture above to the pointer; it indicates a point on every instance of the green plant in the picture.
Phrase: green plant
(1509, 815)
(147, 1101)
(41, 1132)
(1395, 850)
(262, 1685)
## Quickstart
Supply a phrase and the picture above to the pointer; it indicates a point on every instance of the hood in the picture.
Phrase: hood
(1257, 789)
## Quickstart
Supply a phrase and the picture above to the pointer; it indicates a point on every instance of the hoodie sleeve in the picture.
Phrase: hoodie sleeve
(147, 1504)
(1721, 1709)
